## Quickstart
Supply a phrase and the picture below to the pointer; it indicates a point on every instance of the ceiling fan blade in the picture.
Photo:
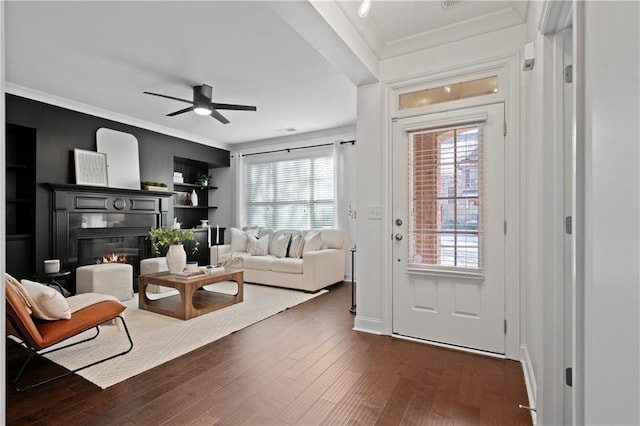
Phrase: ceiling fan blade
(182, 111)
(215, 114)
(168, 97)
(234, 107)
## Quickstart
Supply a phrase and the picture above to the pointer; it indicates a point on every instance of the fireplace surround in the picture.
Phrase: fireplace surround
(90, 223)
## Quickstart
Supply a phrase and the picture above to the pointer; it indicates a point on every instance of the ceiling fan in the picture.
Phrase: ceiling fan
(202, 105)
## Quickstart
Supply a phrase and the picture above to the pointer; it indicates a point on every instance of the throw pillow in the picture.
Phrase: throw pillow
(238, 240)
(297, 243)
(279, 246)
(48, 304)
(22, 293)
(258, 246)
(312, 242)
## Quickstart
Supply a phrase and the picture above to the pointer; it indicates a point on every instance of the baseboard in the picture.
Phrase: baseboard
(368, 325)
(529, 379)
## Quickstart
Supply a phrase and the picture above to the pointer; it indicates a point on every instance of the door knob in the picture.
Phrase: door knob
(398, 237)
(398, 222)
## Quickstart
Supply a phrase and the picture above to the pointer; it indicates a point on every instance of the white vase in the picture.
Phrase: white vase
(194, 198)
(176, 258)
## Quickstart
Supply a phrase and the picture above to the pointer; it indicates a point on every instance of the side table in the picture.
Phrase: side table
(52, 280)
(352, 309)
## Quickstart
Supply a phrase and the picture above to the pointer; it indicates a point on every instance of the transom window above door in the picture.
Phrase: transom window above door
(448, 92)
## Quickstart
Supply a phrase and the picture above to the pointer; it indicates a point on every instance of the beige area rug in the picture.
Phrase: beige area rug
(158, 338)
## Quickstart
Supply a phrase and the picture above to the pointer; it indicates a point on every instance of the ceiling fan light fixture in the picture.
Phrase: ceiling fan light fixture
(200, 110)
(363, 10)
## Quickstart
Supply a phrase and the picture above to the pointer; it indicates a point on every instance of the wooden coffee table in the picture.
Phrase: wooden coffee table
(192, 300)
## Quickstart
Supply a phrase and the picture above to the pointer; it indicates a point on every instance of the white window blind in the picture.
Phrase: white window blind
(297, 193)
(445, 181)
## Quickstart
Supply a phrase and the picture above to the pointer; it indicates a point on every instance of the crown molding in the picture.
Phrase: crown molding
(58, 101)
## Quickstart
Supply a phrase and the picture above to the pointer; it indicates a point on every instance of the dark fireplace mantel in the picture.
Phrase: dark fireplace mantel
(88, 218)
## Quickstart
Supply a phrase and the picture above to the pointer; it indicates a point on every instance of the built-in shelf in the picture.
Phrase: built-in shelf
(195, 207)
(18, 166)
(193, 185)
(20, 201)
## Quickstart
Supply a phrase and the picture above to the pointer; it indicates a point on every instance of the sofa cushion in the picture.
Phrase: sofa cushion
(297, 243)
(261, 263)
(332, 238)
(234, 259)
(287, 265)
(238, 240)
(258, 246)
(279, 245)
(312, 242)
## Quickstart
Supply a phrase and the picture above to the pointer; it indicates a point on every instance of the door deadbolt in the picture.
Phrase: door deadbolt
(398, 237)
(398, 222)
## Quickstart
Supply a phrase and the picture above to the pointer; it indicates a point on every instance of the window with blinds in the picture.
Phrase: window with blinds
(290, 194)
(445, 181)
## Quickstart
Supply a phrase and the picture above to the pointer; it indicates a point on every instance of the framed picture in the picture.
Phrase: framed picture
(91, 167)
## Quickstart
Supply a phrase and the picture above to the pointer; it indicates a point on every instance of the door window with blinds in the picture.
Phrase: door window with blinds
(295, 193)
(445, 181)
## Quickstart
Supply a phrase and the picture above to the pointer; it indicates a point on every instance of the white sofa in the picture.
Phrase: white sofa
(315, 270)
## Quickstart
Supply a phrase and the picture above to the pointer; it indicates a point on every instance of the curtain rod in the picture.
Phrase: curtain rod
(352, 142)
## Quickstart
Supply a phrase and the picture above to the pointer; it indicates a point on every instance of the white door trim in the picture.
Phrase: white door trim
(509, 83)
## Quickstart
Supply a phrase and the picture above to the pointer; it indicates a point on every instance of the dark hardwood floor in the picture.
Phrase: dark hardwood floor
(304, 366)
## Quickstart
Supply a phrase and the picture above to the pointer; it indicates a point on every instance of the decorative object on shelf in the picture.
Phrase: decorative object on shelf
(204, 223)
(123, 164)
(176, 224)
(90, 167)
(194, 198)
(172, 238)
(154, 186)
(177, 177)
(203, 180)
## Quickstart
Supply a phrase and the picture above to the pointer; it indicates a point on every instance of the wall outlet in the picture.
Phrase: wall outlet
(375, 212)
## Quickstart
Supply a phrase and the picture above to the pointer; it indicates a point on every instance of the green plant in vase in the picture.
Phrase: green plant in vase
(203, 180)
(173, 239)
(162, 237)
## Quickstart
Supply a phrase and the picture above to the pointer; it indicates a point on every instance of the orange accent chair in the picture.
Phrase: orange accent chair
(37, 335)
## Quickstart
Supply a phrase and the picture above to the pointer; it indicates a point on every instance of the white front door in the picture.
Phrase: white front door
(449, 227)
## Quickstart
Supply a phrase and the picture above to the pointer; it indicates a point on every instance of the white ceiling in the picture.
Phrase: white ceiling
(105, 54)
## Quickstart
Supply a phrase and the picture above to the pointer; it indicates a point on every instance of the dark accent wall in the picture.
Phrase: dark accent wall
(60, 130)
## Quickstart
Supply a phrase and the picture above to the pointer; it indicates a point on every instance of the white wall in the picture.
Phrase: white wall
(611, 212)
(369, 233)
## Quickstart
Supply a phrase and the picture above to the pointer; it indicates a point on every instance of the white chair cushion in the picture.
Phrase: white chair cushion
(81, 301)
(48, 304)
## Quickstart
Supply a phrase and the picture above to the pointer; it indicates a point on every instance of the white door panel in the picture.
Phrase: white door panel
(453, 305)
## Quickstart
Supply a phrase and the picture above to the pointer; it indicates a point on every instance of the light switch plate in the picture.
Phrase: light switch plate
(375, 212)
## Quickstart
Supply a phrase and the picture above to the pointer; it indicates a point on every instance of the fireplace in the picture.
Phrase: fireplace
(91, 223)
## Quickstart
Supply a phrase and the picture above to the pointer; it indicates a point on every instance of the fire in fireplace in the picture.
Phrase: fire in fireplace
(113, 258)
